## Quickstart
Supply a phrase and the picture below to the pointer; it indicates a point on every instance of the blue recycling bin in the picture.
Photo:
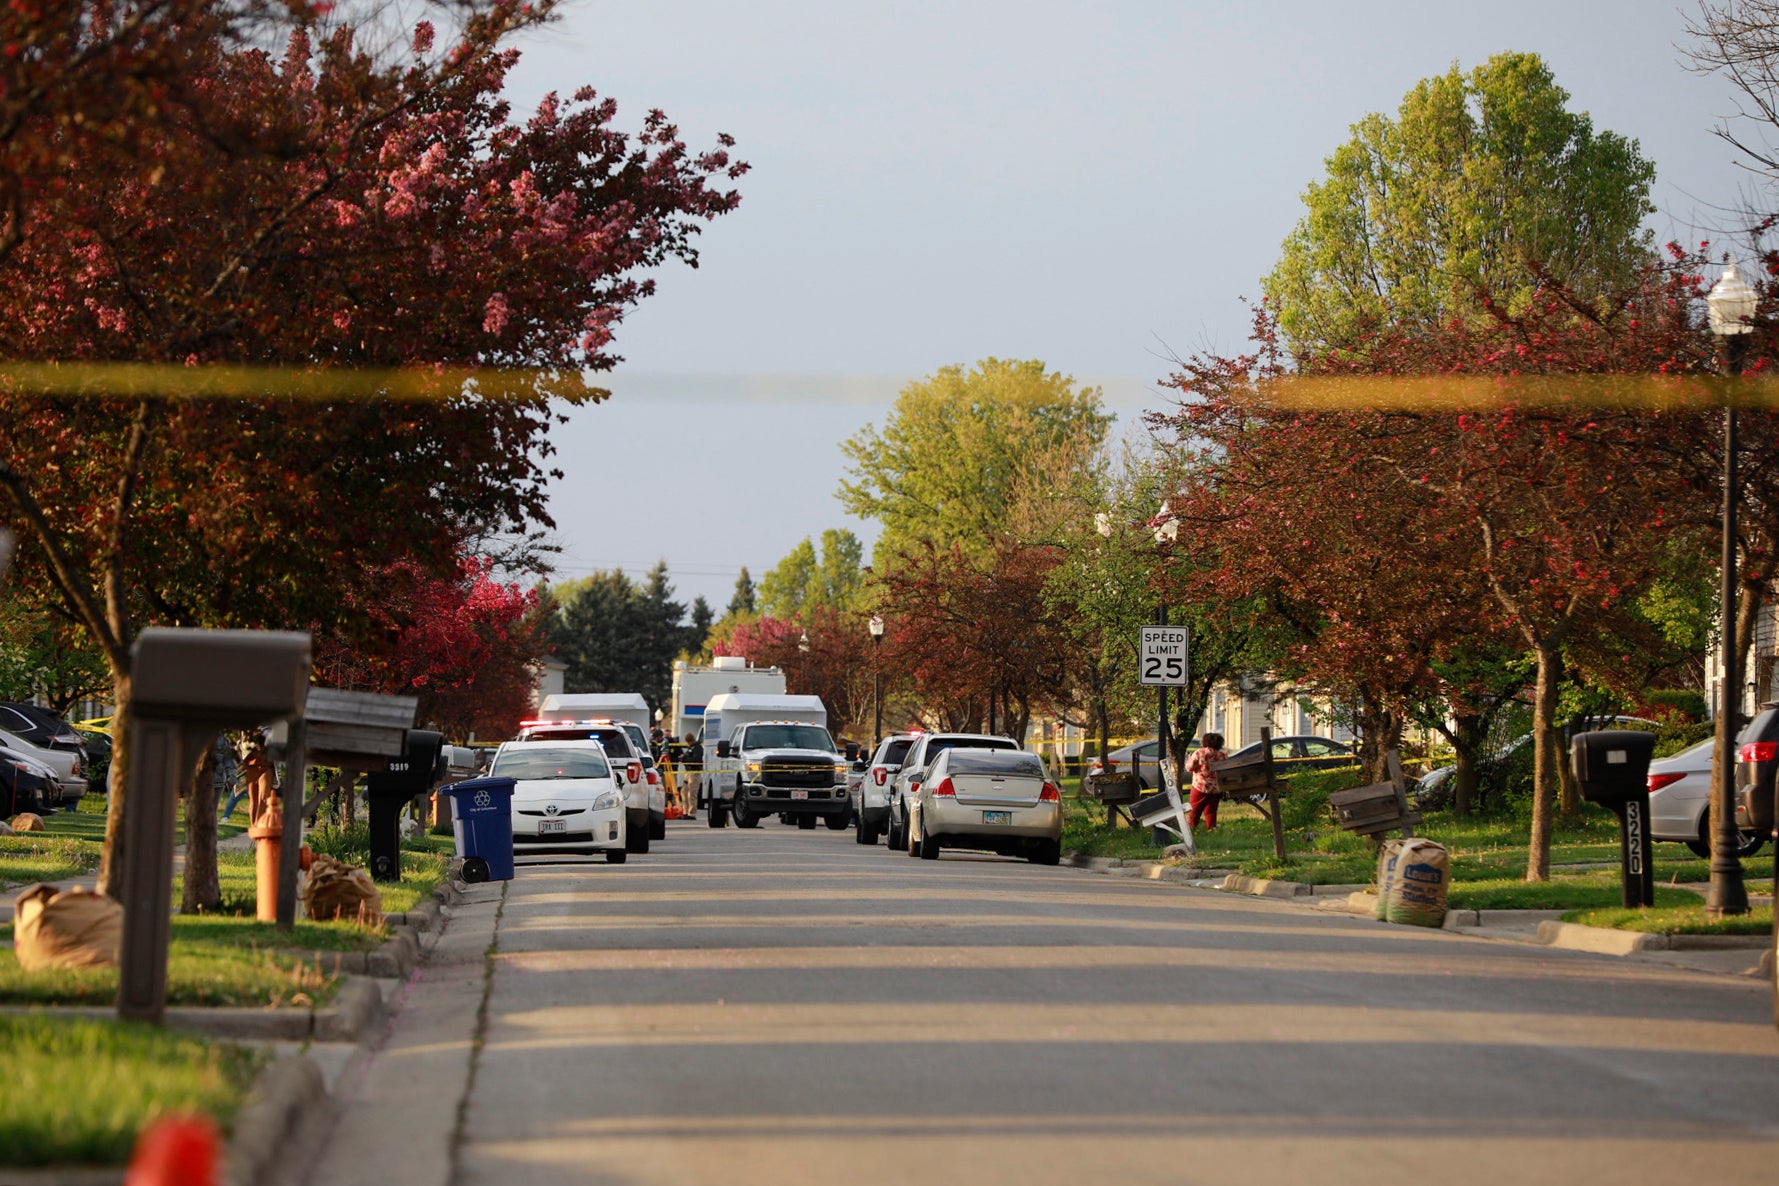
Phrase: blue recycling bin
(482, 825)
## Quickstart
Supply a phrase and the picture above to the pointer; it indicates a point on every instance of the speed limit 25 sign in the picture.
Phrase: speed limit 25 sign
(1162, 656)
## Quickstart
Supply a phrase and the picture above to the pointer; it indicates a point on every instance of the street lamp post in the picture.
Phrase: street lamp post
(876, 628)
(1730, 304)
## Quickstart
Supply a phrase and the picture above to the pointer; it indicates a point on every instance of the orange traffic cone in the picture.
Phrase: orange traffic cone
(175, 1151)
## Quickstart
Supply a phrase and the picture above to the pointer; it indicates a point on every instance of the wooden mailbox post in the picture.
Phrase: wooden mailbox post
(357, 732)
(1382, 807)
(187, 686)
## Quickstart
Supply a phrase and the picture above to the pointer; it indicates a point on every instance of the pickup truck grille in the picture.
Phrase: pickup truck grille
(794, 773)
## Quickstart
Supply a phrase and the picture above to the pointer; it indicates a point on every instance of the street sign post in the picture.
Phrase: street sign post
(1162, 664)
(1162, 656)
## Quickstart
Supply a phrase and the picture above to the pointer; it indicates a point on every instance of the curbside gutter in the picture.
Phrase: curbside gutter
(278, 1108)
(1576, 937)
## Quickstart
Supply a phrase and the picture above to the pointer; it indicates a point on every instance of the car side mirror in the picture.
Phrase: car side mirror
(860, 766)
(722, 749)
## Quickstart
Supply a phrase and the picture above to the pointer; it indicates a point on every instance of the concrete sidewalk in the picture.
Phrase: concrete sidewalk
(397, 1104)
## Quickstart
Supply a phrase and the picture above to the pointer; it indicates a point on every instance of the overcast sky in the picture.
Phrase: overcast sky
(1097, 185)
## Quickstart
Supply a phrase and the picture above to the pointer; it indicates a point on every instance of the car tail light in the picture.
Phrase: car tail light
(654, 779)
(945, 788)
(1758, 751)
(1658, 781)
(880, 776)
(633, 772)
(1049, 794)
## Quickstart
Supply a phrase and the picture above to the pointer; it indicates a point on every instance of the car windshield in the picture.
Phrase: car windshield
(548, 761)
(895, 751)
(788, 737)
(615, 742)
(991, 761)
(939, 745)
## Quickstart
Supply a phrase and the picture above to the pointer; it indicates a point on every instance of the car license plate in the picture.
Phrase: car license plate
(547, 826)
(997, 817)
(799, 794)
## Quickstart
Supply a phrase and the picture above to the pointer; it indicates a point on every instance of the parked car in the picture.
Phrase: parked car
(995, 800)
(95, 737)
(1142, 757)
(1757, 761)
(1435, 789)
(566, 798)
(1304, 753)
(26, 783)
(868, 785)
(651, 774)
(69, 766)
(1680, 801)
(627, 768)
(920, 755)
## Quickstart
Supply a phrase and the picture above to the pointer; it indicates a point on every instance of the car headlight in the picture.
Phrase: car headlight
(841, 771)
(606, 801)
(753, 767)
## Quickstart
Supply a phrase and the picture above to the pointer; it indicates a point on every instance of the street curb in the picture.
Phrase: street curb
(1181, 872)
(1266, 887)
(1577, 937)
(356, 1006)
(278, 1106)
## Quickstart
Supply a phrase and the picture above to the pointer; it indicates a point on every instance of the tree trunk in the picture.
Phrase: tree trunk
(113, 857)
(1466, 743)
(203, 886)
(1545, 758)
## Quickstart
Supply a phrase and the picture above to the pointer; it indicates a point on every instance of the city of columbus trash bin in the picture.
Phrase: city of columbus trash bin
(482, 824)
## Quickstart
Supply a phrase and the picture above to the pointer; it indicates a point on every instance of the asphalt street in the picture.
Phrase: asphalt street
(783, 1006)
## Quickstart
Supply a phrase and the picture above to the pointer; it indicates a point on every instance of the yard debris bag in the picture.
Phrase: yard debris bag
(27, 821)
(1413, 877)
(6, 829)
(337, 890)
(56, 928)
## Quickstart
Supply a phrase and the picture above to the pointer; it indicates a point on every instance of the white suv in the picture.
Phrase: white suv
(870, 786)
(627, 768)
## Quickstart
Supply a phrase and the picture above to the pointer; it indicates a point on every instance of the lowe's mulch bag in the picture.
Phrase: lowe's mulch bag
(1413, 877)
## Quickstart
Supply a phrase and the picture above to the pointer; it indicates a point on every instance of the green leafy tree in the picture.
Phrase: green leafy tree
(806, 580)
(1438, 212)
(960, 447)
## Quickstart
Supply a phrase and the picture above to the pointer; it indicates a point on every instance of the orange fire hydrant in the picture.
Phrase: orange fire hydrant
(266, 826)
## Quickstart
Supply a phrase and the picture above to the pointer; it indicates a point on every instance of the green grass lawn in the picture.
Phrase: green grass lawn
(44, 856)
(1488, 855)
(206, 965)
(79, 1092)
(1675, 919)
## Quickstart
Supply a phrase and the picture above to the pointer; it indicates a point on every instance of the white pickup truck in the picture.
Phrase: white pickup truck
(773, 756)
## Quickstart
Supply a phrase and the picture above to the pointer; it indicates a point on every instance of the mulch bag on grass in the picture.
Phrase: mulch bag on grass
(55, 928)
(27, 821)
(1413, 877)
(338, 890)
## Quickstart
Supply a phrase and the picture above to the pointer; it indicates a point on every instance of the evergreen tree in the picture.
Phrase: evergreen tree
(743, 602)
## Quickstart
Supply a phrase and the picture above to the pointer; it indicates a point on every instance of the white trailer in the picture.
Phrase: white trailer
(695, 687)
(623, 707)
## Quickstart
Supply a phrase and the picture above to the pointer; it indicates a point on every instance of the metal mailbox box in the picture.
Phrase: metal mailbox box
(387, 791)
(1612, 765)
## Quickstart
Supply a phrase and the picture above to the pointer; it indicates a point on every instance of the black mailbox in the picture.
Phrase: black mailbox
(420, 768)
(1612, 766)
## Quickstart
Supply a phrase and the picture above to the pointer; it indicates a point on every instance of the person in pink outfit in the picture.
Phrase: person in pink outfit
(1205, 795)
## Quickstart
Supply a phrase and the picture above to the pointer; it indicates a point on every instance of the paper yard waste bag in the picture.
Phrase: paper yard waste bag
(1420, 875)
(27, 821)
(54, 928)
(338, 890)
(1386, 874)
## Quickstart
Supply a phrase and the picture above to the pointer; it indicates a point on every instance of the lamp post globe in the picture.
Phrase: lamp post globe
(1730, 307)
(875, 626)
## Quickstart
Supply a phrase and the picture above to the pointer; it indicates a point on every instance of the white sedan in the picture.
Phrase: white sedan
(565, 798)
